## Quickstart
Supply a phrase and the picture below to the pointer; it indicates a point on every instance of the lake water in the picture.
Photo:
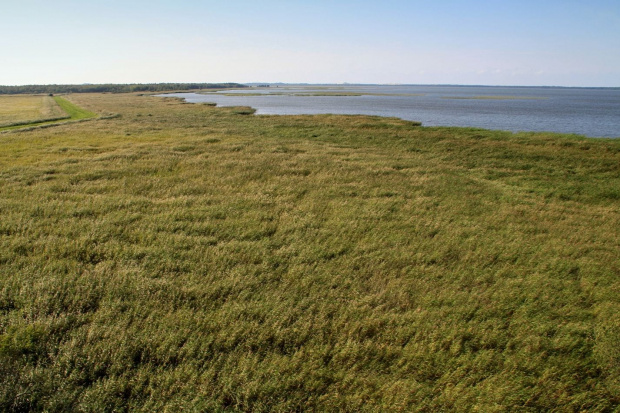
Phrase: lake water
(590, 112)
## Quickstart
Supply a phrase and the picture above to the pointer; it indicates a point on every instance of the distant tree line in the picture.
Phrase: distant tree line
(115, 88)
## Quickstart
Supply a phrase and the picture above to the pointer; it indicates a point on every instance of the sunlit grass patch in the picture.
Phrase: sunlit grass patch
(64, 109)
(74, 111)
(18, 110)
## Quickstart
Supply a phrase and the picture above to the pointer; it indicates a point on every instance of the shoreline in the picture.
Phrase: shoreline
(260, 109)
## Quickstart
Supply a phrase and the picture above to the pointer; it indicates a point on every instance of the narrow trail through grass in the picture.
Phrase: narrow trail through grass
(73, 112)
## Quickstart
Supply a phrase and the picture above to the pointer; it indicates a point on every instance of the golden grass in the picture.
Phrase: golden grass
(18, 108)
(64, 110)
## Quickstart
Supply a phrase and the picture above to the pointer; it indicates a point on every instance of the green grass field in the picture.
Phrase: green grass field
(190, 257)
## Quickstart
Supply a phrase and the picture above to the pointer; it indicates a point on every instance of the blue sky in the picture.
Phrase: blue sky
(544, 42)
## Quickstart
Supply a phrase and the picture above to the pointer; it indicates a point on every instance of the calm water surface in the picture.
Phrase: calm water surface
(590, 112)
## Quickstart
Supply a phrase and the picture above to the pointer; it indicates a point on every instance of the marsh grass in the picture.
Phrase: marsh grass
(183, 257)
(243, 110)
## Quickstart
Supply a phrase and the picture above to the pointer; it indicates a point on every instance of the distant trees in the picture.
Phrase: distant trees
(114, 88)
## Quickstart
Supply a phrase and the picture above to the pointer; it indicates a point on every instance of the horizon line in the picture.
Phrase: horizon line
(319, 84)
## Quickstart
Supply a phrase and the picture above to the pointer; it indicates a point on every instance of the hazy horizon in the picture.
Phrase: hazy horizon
(253, 83)
(558, 43)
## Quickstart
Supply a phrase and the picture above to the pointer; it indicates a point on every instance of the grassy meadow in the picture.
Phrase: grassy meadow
(39, 111)
(19, 109)
(185, 257)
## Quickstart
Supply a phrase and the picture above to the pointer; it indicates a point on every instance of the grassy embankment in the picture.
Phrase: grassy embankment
(42, 110)
(187, 257)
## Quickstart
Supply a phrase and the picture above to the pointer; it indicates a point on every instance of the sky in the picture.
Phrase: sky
(471, 42)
